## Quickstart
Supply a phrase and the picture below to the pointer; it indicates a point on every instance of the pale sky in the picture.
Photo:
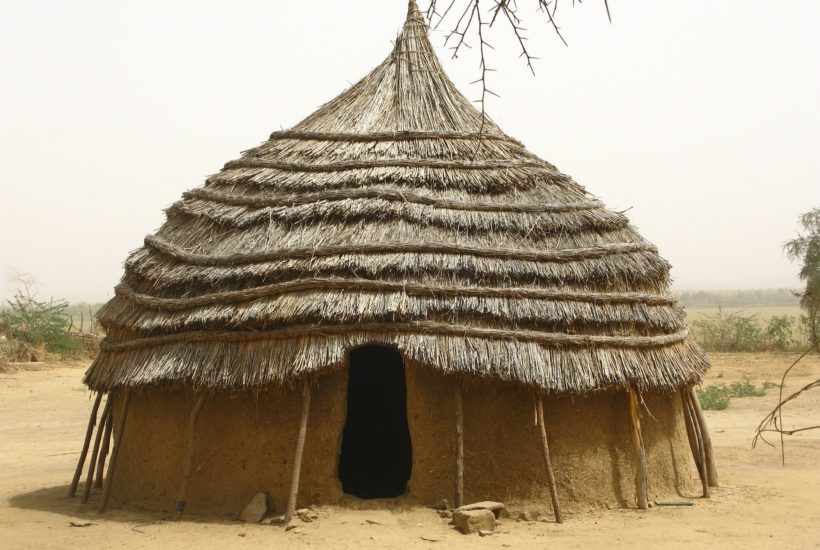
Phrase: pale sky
(703, 117)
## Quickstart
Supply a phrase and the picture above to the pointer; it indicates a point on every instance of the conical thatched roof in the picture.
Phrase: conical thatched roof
(383, 218)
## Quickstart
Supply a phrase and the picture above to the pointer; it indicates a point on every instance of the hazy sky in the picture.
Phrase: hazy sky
(703, 117)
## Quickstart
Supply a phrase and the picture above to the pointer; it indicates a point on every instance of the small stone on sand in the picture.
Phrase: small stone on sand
(472, 521)
(256, 509)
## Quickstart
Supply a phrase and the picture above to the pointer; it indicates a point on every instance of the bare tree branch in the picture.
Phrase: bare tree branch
(773, 422)
(471, 13)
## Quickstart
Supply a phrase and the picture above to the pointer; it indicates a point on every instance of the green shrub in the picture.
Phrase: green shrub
(745, 389)
(730, 332)
(779, 331)
(714, 397)
(735, 332)
(39, 324)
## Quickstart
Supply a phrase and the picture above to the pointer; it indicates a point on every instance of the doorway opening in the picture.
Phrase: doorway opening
(377, 455)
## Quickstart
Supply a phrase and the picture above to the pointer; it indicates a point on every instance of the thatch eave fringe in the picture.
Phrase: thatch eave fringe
(265, 363)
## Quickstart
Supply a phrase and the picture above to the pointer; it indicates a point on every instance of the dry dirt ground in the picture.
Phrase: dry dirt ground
(760, 504)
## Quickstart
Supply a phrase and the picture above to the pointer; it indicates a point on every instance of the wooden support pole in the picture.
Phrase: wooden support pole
(109, 478)
(191, 458)
(89, 480)
(690, 431)
(704, 470)
(640, 453)
(458, 393)
(297, 458)
(92, 421)
(711, 470)
(106, 445)
(556, 509)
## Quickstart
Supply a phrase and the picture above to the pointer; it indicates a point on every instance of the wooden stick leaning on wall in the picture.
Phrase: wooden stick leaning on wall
(188, 470)
(89, 480)
(705, 438)
(106, 446)
(109, 478)
(556, 509)
(704, 471)
(690, 431)
(458, 393)
(640, 453)
(297, 459)
(92, 421)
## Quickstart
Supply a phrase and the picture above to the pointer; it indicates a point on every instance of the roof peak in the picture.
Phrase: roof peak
(413, 11)
(414, 37)
(408, 91)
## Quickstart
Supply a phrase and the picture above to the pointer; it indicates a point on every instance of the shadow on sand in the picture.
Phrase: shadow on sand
(55, 500)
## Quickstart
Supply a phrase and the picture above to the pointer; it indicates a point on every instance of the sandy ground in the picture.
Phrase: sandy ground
(760, 504)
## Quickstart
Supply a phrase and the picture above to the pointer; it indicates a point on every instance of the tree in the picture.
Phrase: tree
(805, 248)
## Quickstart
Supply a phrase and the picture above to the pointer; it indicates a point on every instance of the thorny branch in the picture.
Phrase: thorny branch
(507, 8)
(773, 422)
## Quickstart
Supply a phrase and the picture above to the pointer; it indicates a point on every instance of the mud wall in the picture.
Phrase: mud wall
(246, 443)
(589, 442)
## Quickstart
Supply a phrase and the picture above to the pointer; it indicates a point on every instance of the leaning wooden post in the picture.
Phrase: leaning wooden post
(637, 443)
(705, 438)
(190, 459)
(109, 478)
(106, 446)
(297, 458)
(690, 431)
(556, 509)
(458, 393)
(89, 480)
(92, 421)
(704, 471)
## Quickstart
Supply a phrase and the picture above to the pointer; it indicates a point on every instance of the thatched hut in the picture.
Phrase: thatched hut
(397, 300)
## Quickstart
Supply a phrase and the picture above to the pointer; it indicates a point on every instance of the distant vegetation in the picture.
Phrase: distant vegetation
(739, 331)
(35, 330)
(739, 298)
(731, 320)
(39, 324)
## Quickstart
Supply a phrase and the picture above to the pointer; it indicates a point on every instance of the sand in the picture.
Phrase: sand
(760, 504)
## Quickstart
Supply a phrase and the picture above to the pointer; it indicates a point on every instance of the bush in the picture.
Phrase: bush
(779, 332)
(730, 332)
(735, 332)
(714, 397)
(39, 324)
(745, 389)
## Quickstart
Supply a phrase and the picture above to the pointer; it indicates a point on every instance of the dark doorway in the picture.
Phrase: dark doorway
(376, 453)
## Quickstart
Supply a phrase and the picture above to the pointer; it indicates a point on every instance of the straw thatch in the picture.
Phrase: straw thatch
(393, 214)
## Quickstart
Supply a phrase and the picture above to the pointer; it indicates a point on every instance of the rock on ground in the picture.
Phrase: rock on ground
(472, 521)
(256, 509)
(497, 508)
